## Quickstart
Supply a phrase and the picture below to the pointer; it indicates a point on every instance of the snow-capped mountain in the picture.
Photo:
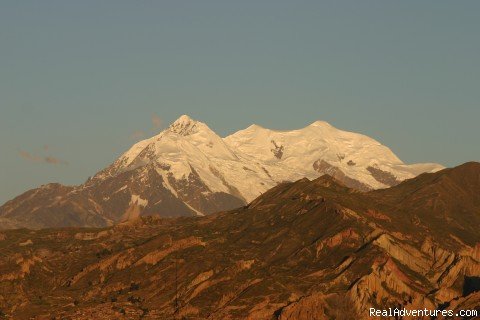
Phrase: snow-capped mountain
(188, 169)
(355, 159)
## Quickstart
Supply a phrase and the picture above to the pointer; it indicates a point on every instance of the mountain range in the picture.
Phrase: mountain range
(188, 169)
(303, 250)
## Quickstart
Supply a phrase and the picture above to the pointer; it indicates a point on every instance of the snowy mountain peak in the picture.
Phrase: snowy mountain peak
(184, 125)
(183, 119)
(321, 123)
(199, 167)
(254, 127)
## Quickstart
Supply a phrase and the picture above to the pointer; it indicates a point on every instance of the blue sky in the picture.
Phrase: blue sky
(79, 80)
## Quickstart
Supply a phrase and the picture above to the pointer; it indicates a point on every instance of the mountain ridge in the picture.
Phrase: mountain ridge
(308, 249)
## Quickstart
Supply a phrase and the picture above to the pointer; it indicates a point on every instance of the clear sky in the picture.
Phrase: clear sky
(80, 81)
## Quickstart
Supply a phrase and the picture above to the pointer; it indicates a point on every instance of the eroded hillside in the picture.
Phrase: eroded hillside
(303, 250)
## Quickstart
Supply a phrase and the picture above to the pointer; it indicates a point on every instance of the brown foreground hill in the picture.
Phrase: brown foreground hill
(303, 250)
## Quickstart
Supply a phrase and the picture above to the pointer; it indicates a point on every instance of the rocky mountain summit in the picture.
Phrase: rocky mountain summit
(310, 249)
(187, 169)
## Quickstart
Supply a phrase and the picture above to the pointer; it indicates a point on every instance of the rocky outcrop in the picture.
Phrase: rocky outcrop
(323, 167)
(385, 177)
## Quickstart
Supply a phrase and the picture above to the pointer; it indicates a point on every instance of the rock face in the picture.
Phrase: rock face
(187, 169)
(303, 250)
